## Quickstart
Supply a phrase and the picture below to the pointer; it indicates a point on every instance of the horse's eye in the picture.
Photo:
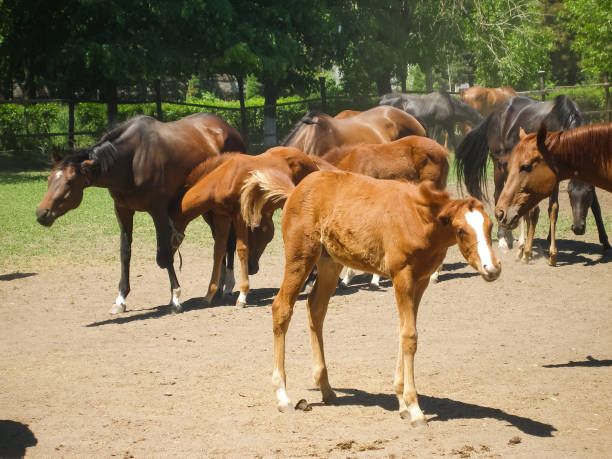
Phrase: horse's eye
(526, 168)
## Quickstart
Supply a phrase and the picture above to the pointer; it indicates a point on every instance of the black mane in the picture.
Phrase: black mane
(306, 119)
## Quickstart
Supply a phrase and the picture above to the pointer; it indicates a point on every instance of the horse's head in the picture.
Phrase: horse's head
(65, 188)
(259, 238)
(472, 227)
(531, 178)
(581, 198)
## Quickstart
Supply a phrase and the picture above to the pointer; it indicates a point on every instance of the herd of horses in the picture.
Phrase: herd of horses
(365, 190)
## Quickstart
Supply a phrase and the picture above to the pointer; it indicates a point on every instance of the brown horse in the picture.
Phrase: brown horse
(540, 160)
(330, 219)
(317, 133)
(486, 100)
(218, 192)
(145, 164)
(346, 114)
(411, 158)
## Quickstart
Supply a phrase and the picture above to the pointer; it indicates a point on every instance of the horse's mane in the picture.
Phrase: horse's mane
(593, 141)
(564, 114)
(309, 118)
(471, 159)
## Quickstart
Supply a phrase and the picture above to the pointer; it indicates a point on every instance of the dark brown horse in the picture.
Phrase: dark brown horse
(145, 164)
(317, 133)
(540, 160)
(496, 136)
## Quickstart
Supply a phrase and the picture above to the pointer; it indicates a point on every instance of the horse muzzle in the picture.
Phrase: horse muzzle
(507, 219)
(45, 217)
(579, 229)
(491, 272)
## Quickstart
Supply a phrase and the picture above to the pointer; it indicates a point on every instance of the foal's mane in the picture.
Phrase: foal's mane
(594, 141)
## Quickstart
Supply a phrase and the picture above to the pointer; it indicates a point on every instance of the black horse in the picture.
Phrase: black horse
(438, 110)
(497, 135)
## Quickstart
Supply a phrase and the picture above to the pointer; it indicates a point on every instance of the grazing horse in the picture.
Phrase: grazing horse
(317, 133)
(411, 158)
(218, 193)
(435, 110)
(540, 160)
(145, 164)
(486, 100)
(330, 219)
(496, 136)
(346, 114)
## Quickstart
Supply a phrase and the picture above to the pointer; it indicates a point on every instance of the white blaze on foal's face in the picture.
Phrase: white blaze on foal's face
(476, 220)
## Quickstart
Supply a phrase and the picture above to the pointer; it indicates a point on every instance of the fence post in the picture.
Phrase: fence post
(543, 94)
(243, 114)
(607, 92)
(71, 124)
(323, 94)
(158, 100)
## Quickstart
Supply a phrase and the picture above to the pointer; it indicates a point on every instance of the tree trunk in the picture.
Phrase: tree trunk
(110, 95)
(402, 74)
(270, 96)
(383, 84)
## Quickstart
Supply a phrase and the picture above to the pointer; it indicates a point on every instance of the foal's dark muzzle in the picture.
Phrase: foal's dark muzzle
(579, 229)
(44, 217)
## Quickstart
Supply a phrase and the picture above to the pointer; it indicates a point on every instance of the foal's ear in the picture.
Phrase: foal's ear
(542, 140)
(446, 215)
(522, 133)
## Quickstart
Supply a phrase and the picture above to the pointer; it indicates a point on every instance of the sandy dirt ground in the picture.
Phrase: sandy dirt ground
(517, 368)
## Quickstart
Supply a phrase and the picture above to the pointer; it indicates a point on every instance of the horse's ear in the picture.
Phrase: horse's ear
(87, 168)
(542, 140)
(522, 133)
(56, 155)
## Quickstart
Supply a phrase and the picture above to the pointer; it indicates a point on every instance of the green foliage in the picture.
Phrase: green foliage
(591, 22)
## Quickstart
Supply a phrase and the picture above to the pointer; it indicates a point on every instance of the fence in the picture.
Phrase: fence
(32, 128)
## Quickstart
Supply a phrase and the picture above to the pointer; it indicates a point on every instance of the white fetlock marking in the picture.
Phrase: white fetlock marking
(242, 298)
(434, 276)
(176, 294)
(284, 401)
(348, 276)
(375, 280)
(230, 281)
(415, 412)
(120, 301)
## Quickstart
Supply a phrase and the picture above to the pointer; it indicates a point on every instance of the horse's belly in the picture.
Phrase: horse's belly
(347, 249)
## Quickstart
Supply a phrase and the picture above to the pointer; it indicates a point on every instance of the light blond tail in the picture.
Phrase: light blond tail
(261, 188)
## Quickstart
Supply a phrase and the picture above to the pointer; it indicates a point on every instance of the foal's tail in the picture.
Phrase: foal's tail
(261, 188)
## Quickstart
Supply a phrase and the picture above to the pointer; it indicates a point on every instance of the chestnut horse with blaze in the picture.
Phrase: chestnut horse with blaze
(330, 220)
(144, 164)
(218, 193)
(317, 133)
(540, 160)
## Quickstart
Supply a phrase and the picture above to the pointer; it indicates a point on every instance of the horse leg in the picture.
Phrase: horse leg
(242, 248)
(527, 246)
(601, 230)
(375, 282)
(504, 237)
(349, 273)
(125, 218)
(553, 213)
(229, 280)
(221, 225)
(165, 253)
(408, 294)
(325, 285)
(436, 274)
(312, 277)
(299, 263)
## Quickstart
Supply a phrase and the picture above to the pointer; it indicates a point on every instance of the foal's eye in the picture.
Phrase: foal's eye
(526, 168)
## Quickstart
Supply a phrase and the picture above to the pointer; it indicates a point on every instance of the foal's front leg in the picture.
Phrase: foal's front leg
(408, 295)
(221, 226)
(601, 230)
(125, 218)
(553, 213)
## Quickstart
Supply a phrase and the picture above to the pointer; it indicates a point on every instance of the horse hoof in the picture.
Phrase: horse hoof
(117, 308)
(176, 308)
(374, 287)
(419, 423)
(285, 407)
(240, 304)
(552, 260)
(303, 405)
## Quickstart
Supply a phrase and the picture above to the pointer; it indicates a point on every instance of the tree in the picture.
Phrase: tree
(593, 37)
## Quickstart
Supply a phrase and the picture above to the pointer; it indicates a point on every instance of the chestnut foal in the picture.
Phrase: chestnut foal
(335, 218)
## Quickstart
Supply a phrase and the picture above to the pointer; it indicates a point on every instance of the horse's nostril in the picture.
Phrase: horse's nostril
(499, 214)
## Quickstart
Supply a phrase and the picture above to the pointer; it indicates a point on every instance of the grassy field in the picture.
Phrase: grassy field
(89, 234)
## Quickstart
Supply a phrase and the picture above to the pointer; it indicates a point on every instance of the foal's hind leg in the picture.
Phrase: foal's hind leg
(316, 304)
(242, 248)
(601, 230)
(298, 265)
(222, 226)
(553, 213)
(125, 218)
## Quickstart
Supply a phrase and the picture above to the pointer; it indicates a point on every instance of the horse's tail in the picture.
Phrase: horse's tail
(261, 188)
(471, 159)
